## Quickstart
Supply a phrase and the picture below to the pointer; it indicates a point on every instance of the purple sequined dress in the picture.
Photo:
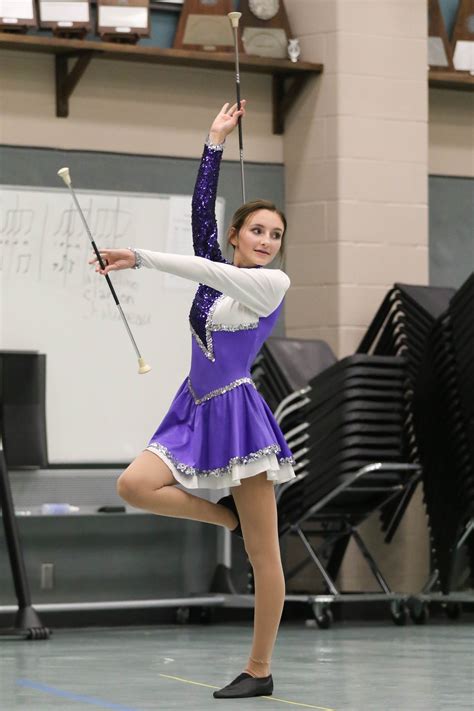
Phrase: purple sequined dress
(219, 429)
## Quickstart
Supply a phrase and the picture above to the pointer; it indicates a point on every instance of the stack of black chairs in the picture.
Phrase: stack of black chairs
(344, 422)
(400, 328)
(444, 424)
(365, 430)
(285, 365)
(282, 371)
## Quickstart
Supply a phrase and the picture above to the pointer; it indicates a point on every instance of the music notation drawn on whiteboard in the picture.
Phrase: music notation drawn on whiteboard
(42, 239)
(16, 227)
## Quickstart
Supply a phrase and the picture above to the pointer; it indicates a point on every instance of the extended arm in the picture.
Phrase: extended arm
(261, 290)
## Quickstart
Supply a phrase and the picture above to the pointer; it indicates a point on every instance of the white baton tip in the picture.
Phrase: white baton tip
(234, 18)
(64, 174)
(143, 367)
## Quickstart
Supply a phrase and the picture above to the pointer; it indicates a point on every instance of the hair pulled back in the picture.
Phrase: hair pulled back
(245, 211)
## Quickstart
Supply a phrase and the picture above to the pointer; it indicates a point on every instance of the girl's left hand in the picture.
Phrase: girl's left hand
(225, 121)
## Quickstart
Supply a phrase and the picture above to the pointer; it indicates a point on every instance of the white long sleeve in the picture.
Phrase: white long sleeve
(260, 290)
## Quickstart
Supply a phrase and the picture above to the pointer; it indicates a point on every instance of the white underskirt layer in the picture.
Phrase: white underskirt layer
(276, 472)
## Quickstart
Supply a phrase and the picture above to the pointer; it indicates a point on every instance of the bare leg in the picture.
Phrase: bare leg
(256, 504)
(148, 484)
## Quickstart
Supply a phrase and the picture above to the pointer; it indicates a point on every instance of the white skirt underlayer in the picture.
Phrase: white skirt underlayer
(276, 472)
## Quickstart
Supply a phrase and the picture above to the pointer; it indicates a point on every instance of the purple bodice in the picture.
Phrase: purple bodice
(234, 353)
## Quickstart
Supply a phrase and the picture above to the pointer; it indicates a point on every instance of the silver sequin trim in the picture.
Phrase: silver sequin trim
(138, 258)
(218, 391)
(214, 146)
(287, 460)
(208, 349)
(201, 344)
(221, 471)
(233, 327)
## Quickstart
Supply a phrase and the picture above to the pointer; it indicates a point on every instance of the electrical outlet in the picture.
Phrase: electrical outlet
(47, 576)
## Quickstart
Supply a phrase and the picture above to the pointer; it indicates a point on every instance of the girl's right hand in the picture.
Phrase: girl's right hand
(225, 121)
(114, 259)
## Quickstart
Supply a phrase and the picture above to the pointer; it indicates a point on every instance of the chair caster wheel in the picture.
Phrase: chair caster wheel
(399, 613)
(323, 615)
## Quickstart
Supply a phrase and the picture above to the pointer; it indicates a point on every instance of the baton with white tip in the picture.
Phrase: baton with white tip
(142, 366)
(234, 18)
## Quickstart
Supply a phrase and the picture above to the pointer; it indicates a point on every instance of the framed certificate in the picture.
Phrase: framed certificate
(17, 15)
(204, 25)
(123, 20)
(67, 18)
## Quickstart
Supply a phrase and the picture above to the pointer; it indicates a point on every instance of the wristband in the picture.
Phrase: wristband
(214, 146)
(138, 258)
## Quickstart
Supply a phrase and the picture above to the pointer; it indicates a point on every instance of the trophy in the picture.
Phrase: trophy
(439, 50)
(124, 21)
(266, 30)
(463, 37)
(17, 15)
(69, 19)
(204, 25)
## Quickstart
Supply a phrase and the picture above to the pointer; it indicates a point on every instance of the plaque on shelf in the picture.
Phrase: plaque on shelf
(265, 28)
(463, 37)
(439, 49)
(66, 18)
(17, 15)
(123, 21)
(204, 25)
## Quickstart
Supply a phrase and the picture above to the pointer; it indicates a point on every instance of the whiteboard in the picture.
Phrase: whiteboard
(98, 409)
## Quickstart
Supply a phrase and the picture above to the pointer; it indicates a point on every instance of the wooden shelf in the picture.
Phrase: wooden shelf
(460, 81)
(289, 78)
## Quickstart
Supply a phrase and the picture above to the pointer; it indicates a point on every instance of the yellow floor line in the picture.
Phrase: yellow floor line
(269, 698)
(198, 683)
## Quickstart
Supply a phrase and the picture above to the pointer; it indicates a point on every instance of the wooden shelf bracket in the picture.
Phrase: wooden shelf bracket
(286, 89)
(66, 81)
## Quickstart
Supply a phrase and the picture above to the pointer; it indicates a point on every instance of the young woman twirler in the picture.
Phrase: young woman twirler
(219, 431)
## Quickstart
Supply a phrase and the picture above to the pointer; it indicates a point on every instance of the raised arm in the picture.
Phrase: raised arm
(261, 290)
(204, 223)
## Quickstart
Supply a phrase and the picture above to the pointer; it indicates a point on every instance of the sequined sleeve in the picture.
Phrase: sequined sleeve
(204, 222)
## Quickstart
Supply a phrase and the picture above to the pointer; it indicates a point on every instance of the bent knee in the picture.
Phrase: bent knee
(128, 487)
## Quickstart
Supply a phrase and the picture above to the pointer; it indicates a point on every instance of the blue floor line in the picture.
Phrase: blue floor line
(92, 700)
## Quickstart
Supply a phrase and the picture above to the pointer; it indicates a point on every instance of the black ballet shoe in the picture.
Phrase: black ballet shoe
(229, 503)
(246, 685)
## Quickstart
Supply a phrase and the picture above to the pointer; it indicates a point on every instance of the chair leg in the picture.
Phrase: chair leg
(372, 564)
(337, 556)
(329, 582)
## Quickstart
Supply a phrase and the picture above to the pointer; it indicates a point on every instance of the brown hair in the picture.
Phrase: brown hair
(241, 216)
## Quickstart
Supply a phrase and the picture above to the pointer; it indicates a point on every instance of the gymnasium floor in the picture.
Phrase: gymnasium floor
(351, 667)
